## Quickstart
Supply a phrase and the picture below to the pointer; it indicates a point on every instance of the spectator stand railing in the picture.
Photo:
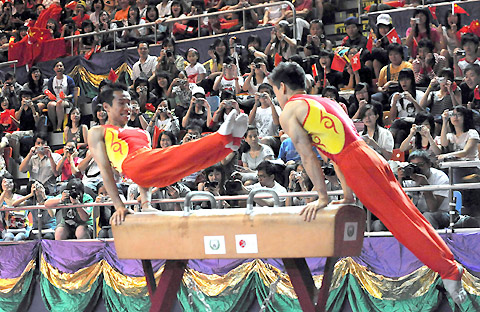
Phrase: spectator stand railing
(401, 16)
(198, 17)
(201, 197)
(10, 63)
(454, 198)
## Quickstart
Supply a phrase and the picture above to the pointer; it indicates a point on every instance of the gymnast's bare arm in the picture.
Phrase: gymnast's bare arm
(291, 120)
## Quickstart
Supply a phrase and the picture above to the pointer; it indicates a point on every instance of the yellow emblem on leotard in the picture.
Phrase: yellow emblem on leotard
(325, 130)
(117, 149)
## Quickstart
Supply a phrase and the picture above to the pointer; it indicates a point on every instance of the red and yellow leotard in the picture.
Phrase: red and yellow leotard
(374, 183)
(124, 142)
(130, 152)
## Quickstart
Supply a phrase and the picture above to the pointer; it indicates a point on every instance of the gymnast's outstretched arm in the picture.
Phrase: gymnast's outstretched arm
(97, 148)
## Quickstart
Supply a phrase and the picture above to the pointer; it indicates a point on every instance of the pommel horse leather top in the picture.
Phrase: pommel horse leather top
(278, 232)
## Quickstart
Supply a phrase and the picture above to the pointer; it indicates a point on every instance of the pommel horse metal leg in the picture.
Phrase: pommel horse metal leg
(302, 282)
(164, 295)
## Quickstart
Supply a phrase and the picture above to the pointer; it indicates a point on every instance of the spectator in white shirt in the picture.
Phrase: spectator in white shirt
(146, 64)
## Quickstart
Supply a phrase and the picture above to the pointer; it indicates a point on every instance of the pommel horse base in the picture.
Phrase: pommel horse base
(281, 232)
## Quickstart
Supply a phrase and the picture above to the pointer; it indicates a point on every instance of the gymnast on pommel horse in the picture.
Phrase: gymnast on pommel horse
(310, 119)
(128, 151)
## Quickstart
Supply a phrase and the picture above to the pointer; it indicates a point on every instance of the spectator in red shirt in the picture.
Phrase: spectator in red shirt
(7, 116)
(68, 165)
(80, 15)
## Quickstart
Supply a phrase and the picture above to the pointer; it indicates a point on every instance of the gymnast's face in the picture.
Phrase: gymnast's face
(119, 111)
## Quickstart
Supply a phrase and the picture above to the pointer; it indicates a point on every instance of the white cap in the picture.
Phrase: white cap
(384, 19)
(196, 89)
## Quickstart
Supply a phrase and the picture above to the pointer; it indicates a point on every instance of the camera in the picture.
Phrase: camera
(418, 129)
(233, 186)
(168, 53)
(182, 81)
(460, 53)
(212, 184)
(441, 79)
(258, 65)
(228, 66)
(328, 170)
(162, 109)
(69, 149)
(410, 169)
(74, 194)
(40, 149)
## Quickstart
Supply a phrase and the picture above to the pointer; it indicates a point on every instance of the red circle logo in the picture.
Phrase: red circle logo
(242, 243)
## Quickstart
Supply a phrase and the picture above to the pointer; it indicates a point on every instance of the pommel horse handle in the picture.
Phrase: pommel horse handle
(190, 195)
(251, 197)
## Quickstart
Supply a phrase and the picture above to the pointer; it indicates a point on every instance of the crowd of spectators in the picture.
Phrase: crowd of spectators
(423, 103)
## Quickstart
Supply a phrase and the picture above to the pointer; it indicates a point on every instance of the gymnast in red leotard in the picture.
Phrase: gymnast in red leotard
(308, 120)
(128, 151)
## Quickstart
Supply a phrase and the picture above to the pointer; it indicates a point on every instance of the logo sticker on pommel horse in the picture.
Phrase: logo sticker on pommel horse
(350, 233)
(214, 245)
(246, 243)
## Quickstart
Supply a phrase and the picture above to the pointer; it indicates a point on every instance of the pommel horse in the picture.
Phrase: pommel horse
(263, 232)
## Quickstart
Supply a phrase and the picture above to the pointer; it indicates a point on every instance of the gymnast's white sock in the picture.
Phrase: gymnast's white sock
(228, 125)
(455, 288)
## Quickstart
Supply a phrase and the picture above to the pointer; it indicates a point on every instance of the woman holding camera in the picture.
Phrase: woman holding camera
(462, 142)
(168, 61)
(422, 135)
(215, 183)
(164, 120)
(199, 110)
(229, 78)
(12, 220)
(68, 165)
(281, 42)
(142, 91)
(298, 181)
(225, 107)
(447, 97)
(374, 134)
(420, 28)
(258, 75)
(404, 106)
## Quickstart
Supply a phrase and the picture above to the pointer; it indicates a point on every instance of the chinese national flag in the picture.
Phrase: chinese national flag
(112, 75)
(393, 37)
(20, 52)
(370, 41)
(54, 11)
(277, 59)
(476, 93)
(433, 11)
(156, 135)
(338, 63)
(314, 70)
(458, 9)
(51, 49)
(355, 61)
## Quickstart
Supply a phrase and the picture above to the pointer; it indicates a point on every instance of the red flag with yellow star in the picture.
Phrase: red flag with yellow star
(458, 9)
